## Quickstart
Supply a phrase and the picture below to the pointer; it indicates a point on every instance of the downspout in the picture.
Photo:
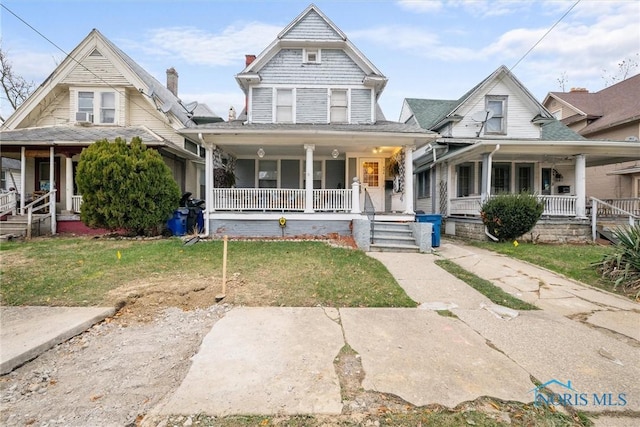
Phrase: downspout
(208, 163)
(489, 160)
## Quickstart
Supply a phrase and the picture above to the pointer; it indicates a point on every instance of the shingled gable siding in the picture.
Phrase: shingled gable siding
(262, 105)
(361, 106)
(312, 27)
(335, 68)
(311, 105)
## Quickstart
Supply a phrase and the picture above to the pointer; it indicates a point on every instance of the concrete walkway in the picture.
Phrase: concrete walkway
(279, 360)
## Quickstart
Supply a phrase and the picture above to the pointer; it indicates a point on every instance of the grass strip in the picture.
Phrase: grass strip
(485, 287)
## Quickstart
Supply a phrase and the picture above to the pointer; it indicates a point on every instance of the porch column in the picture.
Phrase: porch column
(486, 177)
(208, 185)
(355, 196)
(581, 186)
(23, 177)
(308, 188)
(68, 187)
(52, 190)
(408, 179)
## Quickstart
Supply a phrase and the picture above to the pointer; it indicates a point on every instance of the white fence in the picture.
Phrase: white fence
(553, 205)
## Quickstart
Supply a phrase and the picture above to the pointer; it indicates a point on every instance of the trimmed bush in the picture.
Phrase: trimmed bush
(508, 216)
(125, 186)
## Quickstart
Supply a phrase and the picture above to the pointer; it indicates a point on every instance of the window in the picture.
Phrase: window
(524, 178)
(268, 174)
(501, 178)
(311, 56)
(423, 183)
(339, 106)
(497, 124)
(371, 173)
(465, 180)
(284, 106)
(557, 114)
(96, 107)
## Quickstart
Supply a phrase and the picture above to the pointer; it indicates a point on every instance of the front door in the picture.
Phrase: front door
(372, 179)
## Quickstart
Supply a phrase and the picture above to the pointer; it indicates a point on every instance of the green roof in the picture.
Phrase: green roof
(428, 112)
(555, 130)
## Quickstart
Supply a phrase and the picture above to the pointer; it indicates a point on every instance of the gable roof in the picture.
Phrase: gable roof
(611, 106)
(433, 113)
(157, 94)
(331, 37)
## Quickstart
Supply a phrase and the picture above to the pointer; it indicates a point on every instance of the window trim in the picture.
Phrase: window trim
(276, 105)
(306, 52)
(503, 117)
(97, 105)
(347, 107)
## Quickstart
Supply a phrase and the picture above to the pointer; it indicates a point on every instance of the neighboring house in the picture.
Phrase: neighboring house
(98, 92)
(311, 142)
(497, 138)
(612, 113)
(10, 174)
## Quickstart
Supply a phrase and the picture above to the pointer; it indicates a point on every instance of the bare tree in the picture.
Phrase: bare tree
(626, 68)
(563, 80)
(16, 89)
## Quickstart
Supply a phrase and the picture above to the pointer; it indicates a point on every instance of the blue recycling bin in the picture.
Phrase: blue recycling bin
(436, 220)
(178, 222)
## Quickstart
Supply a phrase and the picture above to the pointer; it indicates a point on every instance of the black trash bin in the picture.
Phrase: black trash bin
(195, 217)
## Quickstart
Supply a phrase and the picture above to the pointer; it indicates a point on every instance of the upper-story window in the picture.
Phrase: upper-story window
(338, 112)
(497, 124)
(311, 56)
(284, 106)
(96, 107)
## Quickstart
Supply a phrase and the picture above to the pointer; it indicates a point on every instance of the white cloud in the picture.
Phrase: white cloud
(200, 47)
(420, 6)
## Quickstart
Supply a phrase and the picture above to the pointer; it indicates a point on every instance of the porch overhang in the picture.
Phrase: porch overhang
(597, 152)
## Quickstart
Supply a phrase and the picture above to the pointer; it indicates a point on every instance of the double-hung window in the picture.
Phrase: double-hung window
(96, 107)
(423, 184)
(284, 106)
(497, 124)
(338, 112)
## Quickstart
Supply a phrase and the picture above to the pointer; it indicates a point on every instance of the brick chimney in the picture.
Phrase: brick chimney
(579, 89)
(172, 80)
(248, 59)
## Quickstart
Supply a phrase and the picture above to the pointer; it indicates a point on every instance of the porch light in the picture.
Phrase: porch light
(260, 152)
(335, 153)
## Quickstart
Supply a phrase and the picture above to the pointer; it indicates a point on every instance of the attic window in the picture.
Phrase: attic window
(497, 124)
(95, 52)
(311, 56)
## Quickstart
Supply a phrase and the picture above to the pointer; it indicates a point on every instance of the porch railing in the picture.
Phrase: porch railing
(611, 210)
(45, 204)
(553, 205)
(613, 207)
(8, 202)
(76, 202)
(279, 200)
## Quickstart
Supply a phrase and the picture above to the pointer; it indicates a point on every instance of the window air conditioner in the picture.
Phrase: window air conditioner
(83, 117)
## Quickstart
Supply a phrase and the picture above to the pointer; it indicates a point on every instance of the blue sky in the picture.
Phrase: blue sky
(427, 49)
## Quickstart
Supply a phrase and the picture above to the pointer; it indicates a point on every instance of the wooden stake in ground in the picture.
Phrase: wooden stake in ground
(221, 296)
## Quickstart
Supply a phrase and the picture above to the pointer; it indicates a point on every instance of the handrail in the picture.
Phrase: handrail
(8, 203)
(31, 208)
(369, 210)
(594, 215)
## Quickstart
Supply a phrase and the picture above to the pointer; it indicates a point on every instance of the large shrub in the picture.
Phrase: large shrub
(623, 264)
(508, 216)
(125, 186)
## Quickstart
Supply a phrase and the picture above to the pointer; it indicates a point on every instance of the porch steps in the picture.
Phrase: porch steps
(606, 233)
(393, 237)
(16, 225)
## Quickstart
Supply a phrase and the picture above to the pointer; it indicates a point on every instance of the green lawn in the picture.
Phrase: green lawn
(81, 271)
(573, 261)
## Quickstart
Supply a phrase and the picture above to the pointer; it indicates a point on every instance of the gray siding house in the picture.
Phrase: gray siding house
(311, 145)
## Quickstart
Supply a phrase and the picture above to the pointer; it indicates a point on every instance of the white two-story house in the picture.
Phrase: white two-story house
(312, 145)
(97, 92)
(497, 138)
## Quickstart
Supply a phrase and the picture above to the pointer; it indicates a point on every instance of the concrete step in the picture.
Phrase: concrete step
(12, 229)
(384, 247)
(394, 239)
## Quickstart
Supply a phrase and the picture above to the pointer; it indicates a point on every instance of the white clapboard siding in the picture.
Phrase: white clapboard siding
(518, 114)
(335, 68)
(140, 113)
(311, 105)
(361, 106)
(96, 70)
(312, 27)
(262, 105)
